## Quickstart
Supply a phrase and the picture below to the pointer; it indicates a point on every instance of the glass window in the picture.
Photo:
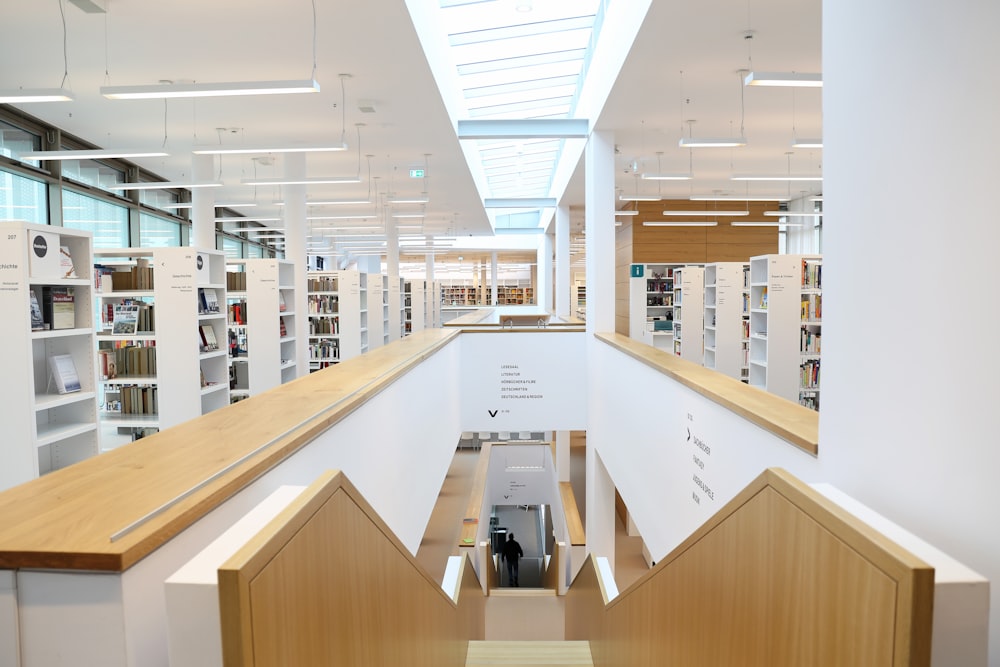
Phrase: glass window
(165, 199)
(232, 247)
(92, 172)
(22, 198)
(157, 232)
(108, 222)
(14, 141)
(254, 250)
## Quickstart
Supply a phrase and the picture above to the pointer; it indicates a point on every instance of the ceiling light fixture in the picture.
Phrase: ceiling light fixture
(407, 215)
(288, 148)
(784, 79)
(705, 142)
(724, 214)
(165, 185)
(626, 212)
(90, 154)
(25, 95)
(242, 219)
(334, 180)
(224, 89)
(409, 200)
(666, 177)
(793, 214)
(786, 177)
(363, 216)
(737, 199)
(680, 223)
(807, 143)
(763, 223)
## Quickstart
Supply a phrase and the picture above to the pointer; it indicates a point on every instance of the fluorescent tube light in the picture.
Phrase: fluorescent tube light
(256, 229)
(807, 143)
(407, 215)
(666, 177)
(680, 223)
(737, 199)
(164, 185)
(302, 181)
(368, 216)
(695, 142)
(638, 198)
(232, 150)
(90, 154)
(794, 214)
(626, 212)
(786, 177)
(763, 223)
(787, 79)
(226, 89)
(410, 200)
(724, 214)
(24, 95)
(242, 219)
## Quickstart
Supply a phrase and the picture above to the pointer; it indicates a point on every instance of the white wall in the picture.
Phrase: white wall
(909, 417)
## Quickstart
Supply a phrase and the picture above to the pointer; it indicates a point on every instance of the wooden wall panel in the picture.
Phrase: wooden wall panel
(623, 260)
(328, 583)
(779, 577)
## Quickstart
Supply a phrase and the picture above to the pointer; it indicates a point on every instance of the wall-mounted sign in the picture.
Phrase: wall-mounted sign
(637, 270)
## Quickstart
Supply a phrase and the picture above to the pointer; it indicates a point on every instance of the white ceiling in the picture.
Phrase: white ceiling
(141, 42)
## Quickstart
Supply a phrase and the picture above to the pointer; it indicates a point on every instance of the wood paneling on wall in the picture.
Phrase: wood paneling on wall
(623, 257)
(327, 583)
(779, 577)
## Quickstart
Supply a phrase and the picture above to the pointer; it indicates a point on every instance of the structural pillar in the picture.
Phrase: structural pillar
(543, 281)
(600, 227)
(495, 299)
(203, 203)
(563, 278)
(296, 232)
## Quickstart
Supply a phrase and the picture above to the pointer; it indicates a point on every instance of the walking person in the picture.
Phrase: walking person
(511, 553)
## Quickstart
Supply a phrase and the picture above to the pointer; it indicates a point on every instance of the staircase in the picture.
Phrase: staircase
(529, 653)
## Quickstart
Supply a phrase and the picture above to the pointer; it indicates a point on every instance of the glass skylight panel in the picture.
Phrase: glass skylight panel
(511, 32)
(518, 62)
(526, 100)
(534, 109)
(499, 83)
(521, 46)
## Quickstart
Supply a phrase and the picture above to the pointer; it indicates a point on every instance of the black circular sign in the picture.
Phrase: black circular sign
(40, 246)
(201, 262)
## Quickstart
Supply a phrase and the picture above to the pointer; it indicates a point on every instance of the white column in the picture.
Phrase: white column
(543, 280)
(600, 519)
(295, 250)
(909, 424)
(202, 203)
(599, 223)
(391, 246)
(493, 278)
(564, 278)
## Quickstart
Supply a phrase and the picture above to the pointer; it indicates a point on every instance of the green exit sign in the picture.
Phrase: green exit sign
(416, 173)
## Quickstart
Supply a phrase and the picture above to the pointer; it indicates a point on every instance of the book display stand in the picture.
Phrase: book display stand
(727, 294)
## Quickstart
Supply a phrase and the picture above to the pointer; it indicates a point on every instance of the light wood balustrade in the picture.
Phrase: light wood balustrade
(780, 576)
(328, 583)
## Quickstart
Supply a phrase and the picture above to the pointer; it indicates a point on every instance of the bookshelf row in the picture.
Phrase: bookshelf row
(467, 293)
(759, 321)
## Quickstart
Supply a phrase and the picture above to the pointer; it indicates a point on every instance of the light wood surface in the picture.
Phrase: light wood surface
(474, 508)
(792, 422)
(574, 525)
(779, 576)
(328, 583)
(66, 519)
(529, 653)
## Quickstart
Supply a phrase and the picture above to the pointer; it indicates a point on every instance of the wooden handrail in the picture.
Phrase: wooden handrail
(574, 525)
(789, 421)
(779, 576)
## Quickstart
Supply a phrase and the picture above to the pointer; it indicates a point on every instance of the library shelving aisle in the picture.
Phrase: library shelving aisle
(724, 324)
(158, 371)
(334, 299)
(785, 325)
(49, 392)
(261, 325)
(651, 304)
(395, 291)
(580, 291)
(689, 313)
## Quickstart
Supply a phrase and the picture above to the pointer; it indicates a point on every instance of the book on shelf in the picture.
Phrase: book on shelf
(281, 302)
(236, 281)
(208, 340)
(59, 306)
(208, 300)
(66, 268)
(282, 330)
(64, 375)
(763, 299)
(126, 319)
(37, 320)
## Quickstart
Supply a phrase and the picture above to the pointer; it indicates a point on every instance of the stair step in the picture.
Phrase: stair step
(529, 653)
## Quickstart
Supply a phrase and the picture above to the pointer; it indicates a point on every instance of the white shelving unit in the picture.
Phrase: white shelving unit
(689, 313)
(724, 324)
(415, 313)
(266, 356)
(335, 317)
(651, 305)
(182, 379)
(377, 310)
(43, 429)
(785, 325)
(396, 328)
(363, 312)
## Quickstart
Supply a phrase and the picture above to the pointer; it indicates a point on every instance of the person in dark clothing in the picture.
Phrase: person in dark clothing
(511, 553)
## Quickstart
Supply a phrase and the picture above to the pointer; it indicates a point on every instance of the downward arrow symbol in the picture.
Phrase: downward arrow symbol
(493, 413)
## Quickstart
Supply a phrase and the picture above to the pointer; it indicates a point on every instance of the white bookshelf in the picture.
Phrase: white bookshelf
(415, 313)
(264, 357)
(186, 379)
(335, 317)
(45, 430)
(365, 320)
(459, 292)
(783, 317)
(651, 305)
(396, 328)
(580, 300)
(724, 323)
(689, 313)
(377, 310)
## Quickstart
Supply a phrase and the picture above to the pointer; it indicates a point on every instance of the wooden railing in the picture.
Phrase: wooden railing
(780, 576)
(327, 583)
